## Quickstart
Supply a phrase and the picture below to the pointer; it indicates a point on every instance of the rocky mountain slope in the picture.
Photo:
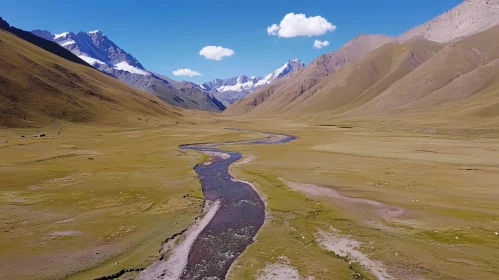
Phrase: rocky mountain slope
(230, 90)
(98, 50)
(468, 18)
(40, 88)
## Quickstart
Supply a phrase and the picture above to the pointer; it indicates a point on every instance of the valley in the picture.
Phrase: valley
(377, 160)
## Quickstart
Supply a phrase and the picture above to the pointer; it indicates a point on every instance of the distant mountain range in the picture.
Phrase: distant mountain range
(232, 89)
(98, 50)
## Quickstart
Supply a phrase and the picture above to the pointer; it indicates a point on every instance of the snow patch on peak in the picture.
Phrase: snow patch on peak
(265, 80)
(244, 84)
(237, 87)
(292, 65)
(124, 66)
(280, 70)
(63, 34)
(94, 31)
(90, 60)
(67, 43)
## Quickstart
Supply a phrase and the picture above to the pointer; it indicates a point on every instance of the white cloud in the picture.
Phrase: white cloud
(186, 72)
(320, 44)
(293, 25)
(215, 52)
(273, 29)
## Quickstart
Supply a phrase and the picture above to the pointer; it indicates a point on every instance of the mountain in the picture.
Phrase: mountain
(286, 68)
(230, 90)
(427, 68)
(414, 79)
(277, 95)
(98, 50)
(194, 92)
(462, 80)
(40, 88)
(237, 84)
(468, 18)
(365, 79)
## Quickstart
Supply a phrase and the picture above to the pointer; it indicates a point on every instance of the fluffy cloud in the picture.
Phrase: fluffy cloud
(273, 29)
(320, 44)
(186, 72)
(215, 52)
(293, 25)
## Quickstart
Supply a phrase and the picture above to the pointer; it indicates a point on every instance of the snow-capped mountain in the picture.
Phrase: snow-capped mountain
(286, 68)
(239, 84)
(98, 50)
(230, 90)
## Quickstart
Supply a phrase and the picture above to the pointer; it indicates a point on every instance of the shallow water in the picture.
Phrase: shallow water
(241, 213)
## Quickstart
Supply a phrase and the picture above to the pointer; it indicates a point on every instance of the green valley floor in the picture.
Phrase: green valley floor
(362, 198)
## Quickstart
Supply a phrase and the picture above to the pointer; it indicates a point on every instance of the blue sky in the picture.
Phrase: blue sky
(168, 35)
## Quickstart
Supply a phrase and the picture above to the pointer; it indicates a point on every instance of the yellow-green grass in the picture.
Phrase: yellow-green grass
(130, 197)
(87, 201)
(450, 198)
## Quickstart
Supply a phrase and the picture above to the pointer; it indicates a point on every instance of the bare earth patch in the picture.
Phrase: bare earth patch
(383, 210)
(65, 221)
(173, 267)
(65, 233)
(246, 160)
(281, 270)
(346, 247)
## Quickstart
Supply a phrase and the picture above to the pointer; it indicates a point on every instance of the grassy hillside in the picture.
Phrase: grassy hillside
(363, 80)
(444, 78)
(40, 88)
(280, 93)
(463, 74)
